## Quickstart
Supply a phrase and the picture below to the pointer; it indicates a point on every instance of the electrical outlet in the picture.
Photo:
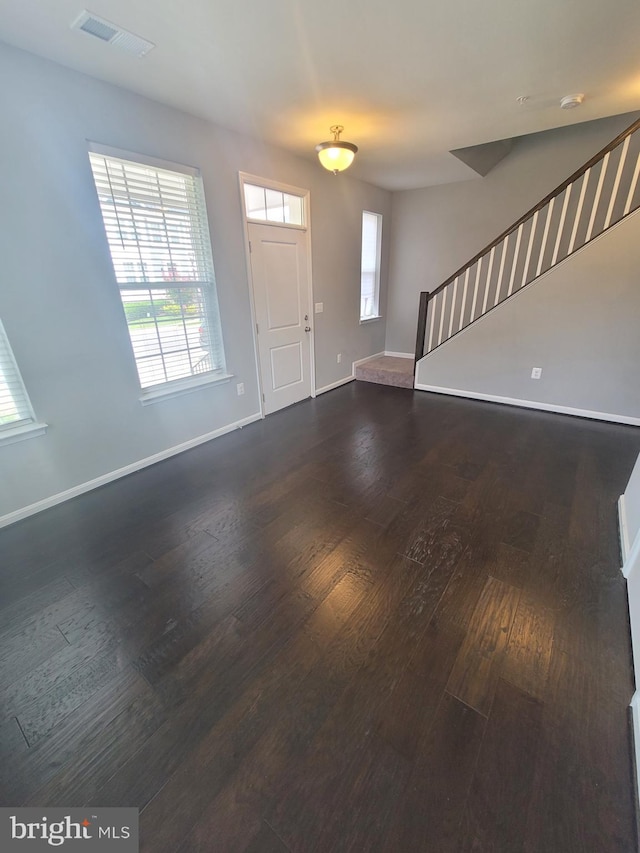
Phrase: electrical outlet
(536, 372)
(319, 307)
(240, 388)
(339, 358)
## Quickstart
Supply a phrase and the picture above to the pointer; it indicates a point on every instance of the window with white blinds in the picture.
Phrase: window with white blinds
(370, 269)
(156, 224)
(15, 408)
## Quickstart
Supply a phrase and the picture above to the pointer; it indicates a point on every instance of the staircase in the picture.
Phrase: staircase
(595, 198)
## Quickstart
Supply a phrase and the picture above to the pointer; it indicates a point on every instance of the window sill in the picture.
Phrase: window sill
(22, 433)
(364, 320)
(157, 394)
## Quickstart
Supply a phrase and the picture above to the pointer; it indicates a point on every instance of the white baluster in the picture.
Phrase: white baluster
(515, 260)
(463, 305)
(442, 309)
(453, 305)
(563, 215)
(475, 292)
(616, 184)
(433, 316)
(505, 246)
(488, 281)
(529, 248)
(632, 188)
(596, 201)
(576, 223)
(545, 234)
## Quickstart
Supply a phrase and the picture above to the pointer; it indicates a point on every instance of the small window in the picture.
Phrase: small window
(370, 269)
(156, 225)
(267, 205)
(15, 408)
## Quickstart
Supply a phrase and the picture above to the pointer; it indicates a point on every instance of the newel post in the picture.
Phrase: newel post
(422, 325)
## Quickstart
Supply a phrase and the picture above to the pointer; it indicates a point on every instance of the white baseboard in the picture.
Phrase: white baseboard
(531, 404)
(334, 385)
(47, 503)
(410, 355)
(364, 360)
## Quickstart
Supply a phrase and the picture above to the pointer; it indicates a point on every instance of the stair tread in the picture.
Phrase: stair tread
(387, 370)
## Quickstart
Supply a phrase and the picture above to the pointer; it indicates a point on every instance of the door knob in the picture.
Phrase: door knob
(307, 328)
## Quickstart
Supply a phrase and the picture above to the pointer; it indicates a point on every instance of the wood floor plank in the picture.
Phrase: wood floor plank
(23, 695)
(511, 565)
(45, 711)
(371, 786)
(415, 697)
(13, 744)
(528, 654)
(75, 744)
(430, 810)
(31, 605)
(477, 668)
(24, 650)
(520, 529)
(463, 592)
(264, 841)
(571, 807)
(496, 810)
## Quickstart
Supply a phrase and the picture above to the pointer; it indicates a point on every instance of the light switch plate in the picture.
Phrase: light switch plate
(319, 307)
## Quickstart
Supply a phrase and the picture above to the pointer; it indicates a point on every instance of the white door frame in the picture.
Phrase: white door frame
(245, 177)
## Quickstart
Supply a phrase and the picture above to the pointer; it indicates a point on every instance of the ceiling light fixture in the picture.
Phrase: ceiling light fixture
(336, 156)
(569, 102)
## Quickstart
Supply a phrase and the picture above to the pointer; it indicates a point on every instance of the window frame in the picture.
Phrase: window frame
(277, 186)
(266, 220)
(25, 425)
(376, 315)
(203, 284)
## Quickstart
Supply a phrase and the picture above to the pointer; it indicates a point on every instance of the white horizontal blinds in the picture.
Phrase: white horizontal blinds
(156, 225)
(15, 408)
(370, 269)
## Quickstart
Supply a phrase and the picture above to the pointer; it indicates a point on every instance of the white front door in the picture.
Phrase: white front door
(280, 278)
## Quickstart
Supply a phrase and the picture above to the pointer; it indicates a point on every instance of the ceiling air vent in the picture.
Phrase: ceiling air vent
(112, 34)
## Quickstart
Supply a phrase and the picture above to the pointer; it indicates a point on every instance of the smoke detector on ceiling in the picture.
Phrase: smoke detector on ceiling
(569, 102)
(112, 34)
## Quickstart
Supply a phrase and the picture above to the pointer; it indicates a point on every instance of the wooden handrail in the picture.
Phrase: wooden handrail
(559, 189)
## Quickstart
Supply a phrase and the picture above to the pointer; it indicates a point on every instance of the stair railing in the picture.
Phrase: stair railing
(597, 196)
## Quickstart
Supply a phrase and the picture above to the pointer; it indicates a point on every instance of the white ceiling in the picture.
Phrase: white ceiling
(409, 79)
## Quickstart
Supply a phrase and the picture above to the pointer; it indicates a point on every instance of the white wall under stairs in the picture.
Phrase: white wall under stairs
(629, 517)
(580, 323)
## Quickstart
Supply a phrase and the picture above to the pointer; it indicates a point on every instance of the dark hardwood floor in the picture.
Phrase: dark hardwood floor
(377, 621)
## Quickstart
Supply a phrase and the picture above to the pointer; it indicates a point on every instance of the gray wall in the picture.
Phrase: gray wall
(58, 298)
(579, 323)
(437, 230)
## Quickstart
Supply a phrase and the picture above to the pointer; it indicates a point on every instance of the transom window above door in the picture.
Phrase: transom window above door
(267, 205)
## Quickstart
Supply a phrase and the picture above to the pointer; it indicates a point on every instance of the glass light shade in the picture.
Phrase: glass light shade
(336, 156)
